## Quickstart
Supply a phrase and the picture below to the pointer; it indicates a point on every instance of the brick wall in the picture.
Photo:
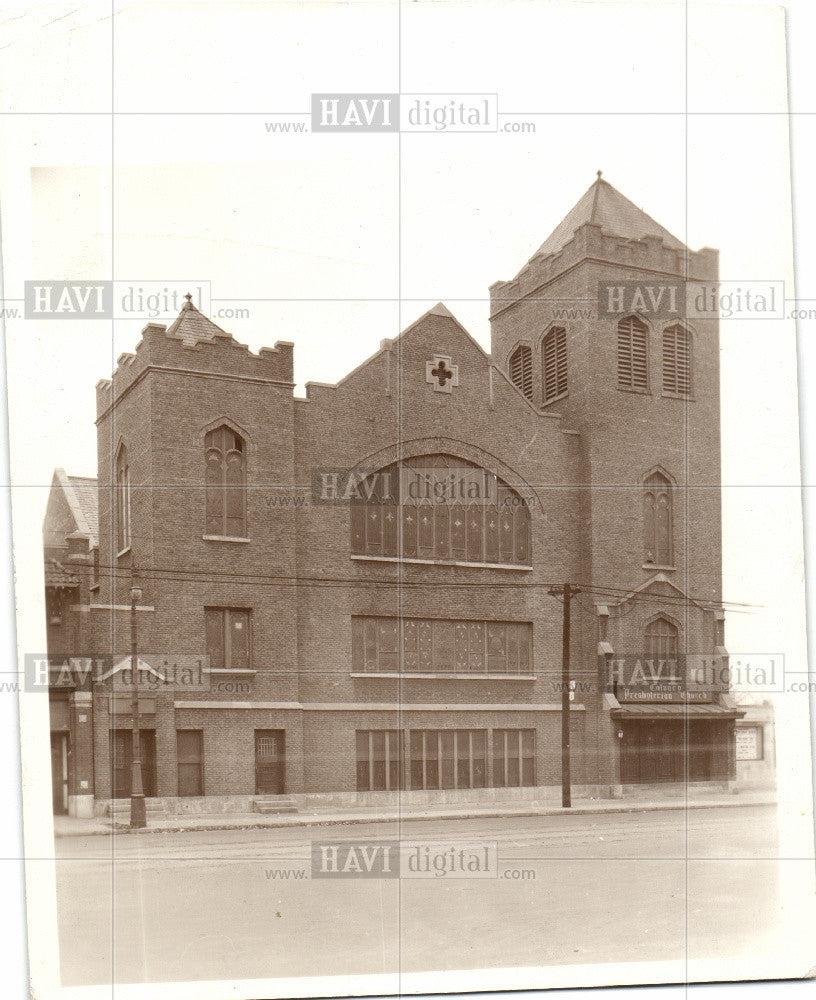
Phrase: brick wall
(296, 573)
(625, 435)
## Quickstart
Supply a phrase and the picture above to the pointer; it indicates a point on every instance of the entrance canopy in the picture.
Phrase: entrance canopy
(679, 710)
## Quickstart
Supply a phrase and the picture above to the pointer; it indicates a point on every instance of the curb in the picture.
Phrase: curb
(357, 820)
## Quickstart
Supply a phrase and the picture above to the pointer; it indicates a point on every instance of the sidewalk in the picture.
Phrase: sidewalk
(69, 826)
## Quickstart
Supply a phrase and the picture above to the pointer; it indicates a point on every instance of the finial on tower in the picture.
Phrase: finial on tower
(189, 298)
(599, 174)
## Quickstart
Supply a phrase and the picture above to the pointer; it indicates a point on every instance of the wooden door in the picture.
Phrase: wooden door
(59, 772)
(652, 752)
(190, 762)
(270, 763)
(701, 751)
(121, 759)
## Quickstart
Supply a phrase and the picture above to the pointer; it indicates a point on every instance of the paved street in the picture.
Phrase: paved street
(570, 889)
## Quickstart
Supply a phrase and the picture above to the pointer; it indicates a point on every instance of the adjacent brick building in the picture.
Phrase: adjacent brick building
(365, 573)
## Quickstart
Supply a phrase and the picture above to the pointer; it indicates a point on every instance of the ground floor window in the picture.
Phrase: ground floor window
(444, 758)
(513, 758)
(448, 758)
(379, 760)
(190, 762)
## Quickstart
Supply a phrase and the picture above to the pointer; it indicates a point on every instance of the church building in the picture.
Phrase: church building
(353, 596)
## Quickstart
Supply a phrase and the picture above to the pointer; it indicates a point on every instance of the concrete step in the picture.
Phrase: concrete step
(675, 790)
(273, 805)
(120, 809)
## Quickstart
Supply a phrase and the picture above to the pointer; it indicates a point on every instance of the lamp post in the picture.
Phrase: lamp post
(138, 818)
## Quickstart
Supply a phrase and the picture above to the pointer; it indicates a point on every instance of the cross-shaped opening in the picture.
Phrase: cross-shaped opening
(441, 373)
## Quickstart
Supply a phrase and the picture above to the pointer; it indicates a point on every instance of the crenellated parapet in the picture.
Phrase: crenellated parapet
(591, 242)
(193, 343)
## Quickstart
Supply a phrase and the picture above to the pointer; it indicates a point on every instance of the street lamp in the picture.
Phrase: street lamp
(138, 818)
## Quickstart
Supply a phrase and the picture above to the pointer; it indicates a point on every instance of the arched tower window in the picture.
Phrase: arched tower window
(657, 520)
(633, 358)
(521, 370)
(677, 360)
(661, 646)
(440, 508)
(225, 483)
(122, 500)
(554, 363)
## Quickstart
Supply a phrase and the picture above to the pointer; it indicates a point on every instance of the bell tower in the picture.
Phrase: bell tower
(595, 327)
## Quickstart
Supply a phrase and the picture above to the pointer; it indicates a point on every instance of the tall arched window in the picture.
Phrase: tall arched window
(554, 363)
(521, 370)
(657, 520)
(677, 360)
(122, 500)
(661, 647)
(225, 482)
(633, 359)
(440, 508)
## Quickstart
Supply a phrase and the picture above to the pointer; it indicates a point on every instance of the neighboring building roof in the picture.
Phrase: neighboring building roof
(73, 509)
(56, 575)
(191, 325)
(86, 492)
(606, 207)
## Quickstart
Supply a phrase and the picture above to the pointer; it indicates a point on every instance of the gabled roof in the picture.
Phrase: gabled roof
(81, 497)
(440, 309)
(606, 207)
(191, 326)
(87, 497)
(661, 578)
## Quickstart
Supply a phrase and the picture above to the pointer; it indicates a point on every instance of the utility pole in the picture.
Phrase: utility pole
(566, 789)
(138, 817)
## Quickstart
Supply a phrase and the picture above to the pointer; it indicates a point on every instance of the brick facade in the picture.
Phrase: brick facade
(578, 463)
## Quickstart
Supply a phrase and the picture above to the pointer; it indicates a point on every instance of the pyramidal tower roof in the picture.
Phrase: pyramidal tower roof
(606, 207)
(191, 326)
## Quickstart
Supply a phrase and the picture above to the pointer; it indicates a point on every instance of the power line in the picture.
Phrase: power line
(196, 576)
